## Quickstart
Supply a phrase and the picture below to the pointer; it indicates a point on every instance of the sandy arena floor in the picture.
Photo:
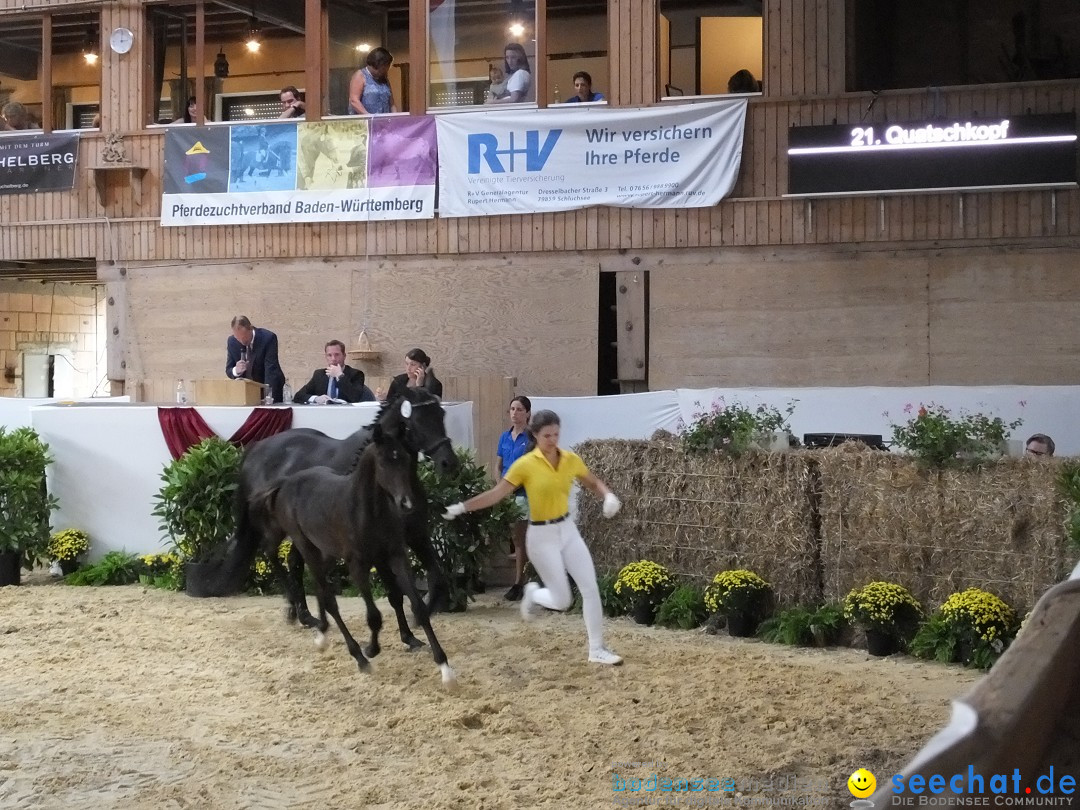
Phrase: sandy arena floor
(138, 698)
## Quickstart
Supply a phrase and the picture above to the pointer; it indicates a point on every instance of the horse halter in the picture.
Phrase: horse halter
(430, 449)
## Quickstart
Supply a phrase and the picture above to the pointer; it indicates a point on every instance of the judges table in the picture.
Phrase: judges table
(108, 460)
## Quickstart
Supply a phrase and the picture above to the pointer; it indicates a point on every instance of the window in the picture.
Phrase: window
(356, 31)
(705, 47)
(920, 43)
(251, 50)
(72, 98)
(577, 41)
(481, 53)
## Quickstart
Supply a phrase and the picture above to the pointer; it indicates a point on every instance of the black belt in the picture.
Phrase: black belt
(549, 522)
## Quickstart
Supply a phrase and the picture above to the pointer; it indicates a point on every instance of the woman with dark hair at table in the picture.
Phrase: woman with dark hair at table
(518, 77)
(418, 374)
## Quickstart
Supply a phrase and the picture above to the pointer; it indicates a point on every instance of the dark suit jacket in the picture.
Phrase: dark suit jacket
(351, 386)
(401, 382)
(263, 366)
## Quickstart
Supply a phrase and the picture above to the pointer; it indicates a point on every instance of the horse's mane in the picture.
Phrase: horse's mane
(416, 396)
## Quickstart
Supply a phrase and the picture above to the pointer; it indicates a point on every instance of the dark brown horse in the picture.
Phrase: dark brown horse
(358, 518)
(273, 460)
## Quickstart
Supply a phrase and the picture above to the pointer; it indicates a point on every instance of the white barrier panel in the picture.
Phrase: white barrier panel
(109, 459)
(1049, 409)
(15, 411)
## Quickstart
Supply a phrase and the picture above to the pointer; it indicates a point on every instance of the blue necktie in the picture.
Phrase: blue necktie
(331, 388)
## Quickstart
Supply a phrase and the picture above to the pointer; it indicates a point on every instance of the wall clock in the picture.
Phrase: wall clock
(121, 40)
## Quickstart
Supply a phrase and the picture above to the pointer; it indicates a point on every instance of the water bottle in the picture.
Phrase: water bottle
(286, 392)
(556, 100)
(181, 393)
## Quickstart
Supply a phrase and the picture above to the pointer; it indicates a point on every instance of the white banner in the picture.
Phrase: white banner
(528, 161)
(360, 204)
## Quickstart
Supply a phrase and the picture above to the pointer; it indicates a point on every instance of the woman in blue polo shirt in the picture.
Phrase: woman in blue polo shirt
(512, 445)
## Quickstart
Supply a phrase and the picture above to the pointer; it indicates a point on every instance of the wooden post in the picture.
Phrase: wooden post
(418, 56)
(200, 64)
(314, 44)
(46, 74)
(540, 68)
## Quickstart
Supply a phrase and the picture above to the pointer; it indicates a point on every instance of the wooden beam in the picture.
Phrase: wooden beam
(46, 74)
(540, 68)
(314, 44)
(418, 56)
(200, 63)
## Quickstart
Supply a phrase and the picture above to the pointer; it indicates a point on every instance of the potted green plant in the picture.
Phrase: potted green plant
(972, 627)
(936, 437)
(68, 548)
(647, 584)
(465, 545)
(195, 505)
(886, 612)
(684, 608)
(25, 504)
(740, 596)
(733, 428)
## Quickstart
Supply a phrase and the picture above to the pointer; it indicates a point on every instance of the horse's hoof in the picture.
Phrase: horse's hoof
(366, 666)
(413, 643)
(321, 641)
(370, 651)
(449, 677)
(307, 620)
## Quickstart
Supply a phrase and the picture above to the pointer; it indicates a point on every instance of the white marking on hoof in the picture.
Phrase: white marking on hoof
(449, 677)
(321, 641)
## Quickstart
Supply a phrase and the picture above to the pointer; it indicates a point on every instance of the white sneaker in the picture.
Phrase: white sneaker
(527, 600)
(604, 656)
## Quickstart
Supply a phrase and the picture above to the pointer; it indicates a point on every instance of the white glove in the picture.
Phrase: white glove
(612, 505)
(453, 510)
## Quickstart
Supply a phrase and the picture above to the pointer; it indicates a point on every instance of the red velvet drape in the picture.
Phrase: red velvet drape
(184, 427)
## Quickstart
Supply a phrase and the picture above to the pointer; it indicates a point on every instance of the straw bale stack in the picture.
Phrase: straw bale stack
(997, 526)
(700, 513)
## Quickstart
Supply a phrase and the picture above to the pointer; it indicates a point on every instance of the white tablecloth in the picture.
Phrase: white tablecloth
(108, 461)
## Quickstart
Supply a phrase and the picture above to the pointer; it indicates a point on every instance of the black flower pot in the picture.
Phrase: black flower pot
(199, 579)
(69, 566)
(643, 610)
(741, 625)
(10, 567)
(881, 644)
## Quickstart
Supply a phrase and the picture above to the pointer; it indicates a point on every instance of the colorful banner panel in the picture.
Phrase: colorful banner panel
(528, 161)
(38, 162)
(328, 171)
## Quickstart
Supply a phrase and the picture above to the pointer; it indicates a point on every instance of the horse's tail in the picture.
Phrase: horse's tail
(232, 572)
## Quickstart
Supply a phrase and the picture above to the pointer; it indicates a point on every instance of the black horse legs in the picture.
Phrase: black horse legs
(420, 543)
(328, 604)
(393, 593)
(399, 566)
(362, 577)
(292, 581)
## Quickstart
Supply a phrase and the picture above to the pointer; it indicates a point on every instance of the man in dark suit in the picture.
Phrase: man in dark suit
(335, 382)
(253, 354)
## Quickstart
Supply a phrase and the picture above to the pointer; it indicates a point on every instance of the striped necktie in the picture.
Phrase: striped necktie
(331, 388)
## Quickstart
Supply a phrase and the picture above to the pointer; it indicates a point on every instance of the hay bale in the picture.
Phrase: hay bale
(699, 513)
(997, 526)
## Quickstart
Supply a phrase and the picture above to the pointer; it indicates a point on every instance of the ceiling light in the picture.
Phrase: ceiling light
(363, 47)
(253, 43)
(516, 29)
(90, 52)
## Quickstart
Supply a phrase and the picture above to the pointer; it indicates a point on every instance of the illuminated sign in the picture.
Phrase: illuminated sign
(1027, 151)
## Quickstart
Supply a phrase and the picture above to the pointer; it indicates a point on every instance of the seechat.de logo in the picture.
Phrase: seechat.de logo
(500, 157)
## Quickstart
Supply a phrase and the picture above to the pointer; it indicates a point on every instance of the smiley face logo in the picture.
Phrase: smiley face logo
(861, 783)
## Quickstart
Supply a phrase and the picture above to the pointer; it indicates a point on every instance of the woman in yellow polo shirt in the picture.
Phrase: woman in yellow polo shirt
(553, 542)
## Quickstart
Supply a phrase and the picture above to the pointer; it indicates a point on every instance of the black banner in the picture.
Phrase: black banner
(38, 162)
(954, 153)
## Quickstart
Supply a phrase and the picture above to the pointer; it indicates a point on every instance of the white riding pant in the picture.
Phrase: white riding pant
(556, 550)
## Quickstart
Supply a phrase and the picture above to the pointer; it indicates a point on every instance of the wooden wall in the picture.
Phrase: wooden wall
(949, 317)
(173, 320)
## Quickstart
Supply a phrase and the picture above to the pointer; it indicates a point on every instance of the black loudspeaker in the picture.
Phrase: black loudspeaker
(833, 439)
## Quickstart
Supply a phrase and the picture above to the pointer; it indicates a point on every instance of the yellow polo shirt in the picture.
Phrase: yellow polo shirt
(547, 487)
